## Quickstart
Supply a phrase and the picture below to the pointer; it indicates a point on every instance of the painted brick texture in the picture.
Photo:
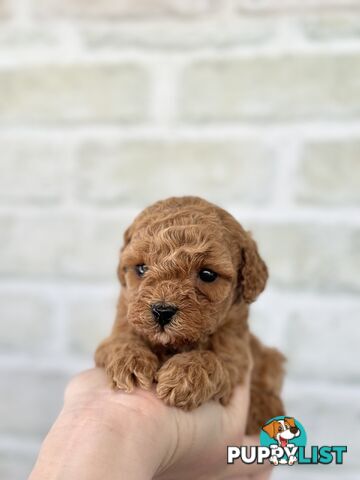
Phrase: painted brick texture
(106, 106)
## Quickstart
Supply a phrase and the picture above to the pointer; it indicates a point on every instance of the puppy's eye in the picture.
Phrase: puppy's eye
(207, 275)
(141, 269)
(280, 428)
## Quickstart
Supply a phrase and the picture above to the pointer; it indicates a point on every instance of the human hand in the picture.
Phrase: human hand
(101, 433)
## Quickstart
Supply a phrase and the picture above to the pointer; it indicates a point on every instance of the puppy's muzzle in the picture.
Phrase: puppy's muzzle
(163, 313)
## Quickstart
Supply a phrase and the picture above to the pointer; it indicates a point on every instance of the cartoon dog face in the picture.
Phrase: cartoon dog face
(282, 430)
(183, 266)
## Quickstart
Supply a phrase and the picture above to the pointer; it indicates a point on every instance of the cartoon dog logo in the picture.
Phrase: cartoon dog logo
(283, 431)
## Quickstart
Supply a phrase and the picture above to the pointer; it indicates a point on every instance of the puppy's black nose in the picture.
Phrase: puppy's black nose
(163, 313)
(294, 429)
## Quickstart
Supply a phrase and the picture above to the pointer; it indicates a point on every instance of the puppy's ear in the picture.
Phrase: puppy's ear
(120, 269)
(253, 272)
(290, 421)
(127, 237)
(270, 428)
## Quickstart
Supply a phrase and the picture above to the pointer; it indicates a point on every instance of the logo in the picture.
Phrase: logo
(283, 435)
(283, 442)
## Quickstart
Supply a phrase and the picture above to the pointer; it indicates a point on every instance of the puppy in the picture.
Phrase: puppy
(188, 273)
(282, 431)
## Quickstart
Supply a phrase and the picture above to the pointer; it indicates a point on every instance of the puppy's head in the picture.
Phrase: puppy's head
(184, 264)
(282, 430)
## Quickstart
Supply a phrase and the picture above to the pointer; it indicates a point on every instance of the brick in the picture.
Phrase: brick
(314, 338)
(275, 6)
(110, 172)
(271, 88)
(171, 35)
(331, 26)
(90, 321)
(32, 245)
(47, 245)
(26, 322)
(329, 173)
(31, 171)
(72, 93)
(30, 401)
(309, 256)
(266, 323)
(29, 36)
(15, 465)
(124, 8)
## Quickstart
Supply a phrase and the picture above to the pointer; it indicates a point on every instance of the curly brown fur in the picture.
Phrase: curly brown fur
(206, 348)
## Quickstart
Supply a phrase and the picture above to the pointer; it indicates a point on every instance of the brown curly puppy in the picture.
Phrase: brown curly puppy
(188, 272)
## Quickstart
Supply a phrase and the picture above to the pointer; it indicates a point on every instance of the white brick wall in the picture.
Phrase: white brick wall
(106, 106)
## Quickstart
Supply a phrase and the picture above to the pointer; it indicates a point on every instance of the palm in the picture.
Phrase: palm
(194, 442)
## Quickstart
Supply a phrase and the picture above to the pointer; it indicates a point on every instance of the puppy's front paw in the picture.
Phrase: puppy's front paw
(130, 369)
(187, 380)
(274, 460)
